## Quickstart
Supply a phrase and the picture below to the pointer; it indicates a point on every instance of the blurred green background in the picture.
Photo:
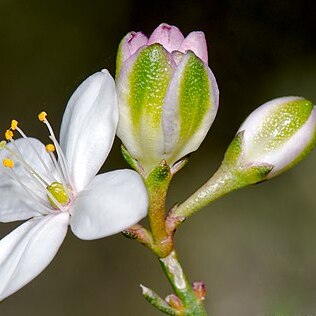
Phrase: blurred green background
(256, 248)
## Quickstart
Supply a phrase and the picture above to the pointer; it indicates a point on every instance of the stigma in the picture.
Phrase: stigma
(51, 189)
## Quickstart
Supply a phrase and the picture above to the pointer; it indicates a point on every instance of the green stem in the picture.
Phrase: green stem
(157, 183)
(222, 182)
(226, 179)
(173, 270)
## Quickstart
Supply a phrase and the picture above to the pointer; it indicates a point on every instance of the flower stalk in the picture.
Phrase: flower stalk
(157, 183)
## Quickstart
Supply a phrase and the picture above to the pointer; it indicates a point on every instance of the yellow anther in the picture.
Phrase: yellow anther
(42, 116)
(14, 124)
(9, 163)
(50, 148)
(2, 144)
(8, 134)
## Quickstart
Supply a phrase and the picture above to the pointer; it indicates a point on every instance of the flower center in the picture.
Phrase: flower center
(57, 190)
(52, 188)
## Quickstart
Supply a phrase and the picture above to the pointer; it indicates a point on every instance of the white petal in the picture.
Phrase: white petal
(88, 127)
(16, 204)
(27, 251)
(112, 202)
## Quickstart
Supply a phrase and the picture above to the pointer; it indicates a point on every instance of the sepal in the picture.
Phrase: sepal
(133, 163)
(234, 150)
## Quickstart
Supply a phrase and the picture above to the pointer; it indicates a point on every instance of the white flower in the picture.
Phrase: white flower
(52, 193)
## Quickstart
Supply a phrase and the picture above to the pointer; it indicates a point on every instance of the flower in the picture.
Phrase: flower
(53, 193)
(167, 95)
(279, 134)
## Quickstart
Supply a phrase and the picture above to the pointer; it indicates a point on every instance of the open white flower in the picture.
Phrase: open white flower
(52, 193)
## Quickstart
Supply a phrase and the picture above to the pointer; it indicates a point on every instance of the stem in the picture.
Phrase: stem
(174, 272)
(222, 182)
(157, 183)
(226, 179)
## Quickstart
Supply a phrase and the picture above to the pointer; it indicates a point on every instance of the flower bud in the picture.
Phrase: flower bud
(280, 133)
(168, 96)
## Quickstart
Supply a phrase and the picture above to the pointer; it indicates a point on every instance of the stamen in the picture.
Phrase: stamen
(62, 159)
(42, 116)
(58, 168)
(32, 146)
(8, 163)
(14, 124)
(26, 166)
(35, 197)
(59, 194)
(50, 148)
(8, 134)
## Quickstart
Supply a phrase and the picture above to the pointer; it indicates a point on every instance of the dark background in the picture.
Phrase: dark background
(256, 248)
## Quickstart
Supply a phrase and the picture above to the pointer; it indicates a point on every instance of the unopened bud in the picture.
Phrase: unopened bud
(280, 133)
(168, 96)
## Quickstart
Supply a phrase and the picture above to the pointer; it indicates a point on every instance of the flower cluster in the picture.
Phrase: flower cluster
(161, 106)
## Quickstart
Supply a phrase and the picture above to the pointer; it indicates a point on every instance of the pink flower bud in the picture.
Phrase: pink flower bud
(170, 37)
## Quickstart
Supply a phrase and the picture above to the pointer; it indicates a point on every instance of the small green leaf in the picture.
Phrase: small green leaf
(155, 300)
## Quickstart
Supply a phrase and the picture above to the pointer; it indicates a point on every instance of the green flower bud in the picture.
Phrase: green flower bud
(168, 99)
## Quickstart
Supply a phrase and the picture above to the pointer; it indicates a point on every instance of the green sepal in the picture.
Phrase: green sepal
(233, 160)
(155, 300)
(254, 174)
(234, 150)
(130, 160)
